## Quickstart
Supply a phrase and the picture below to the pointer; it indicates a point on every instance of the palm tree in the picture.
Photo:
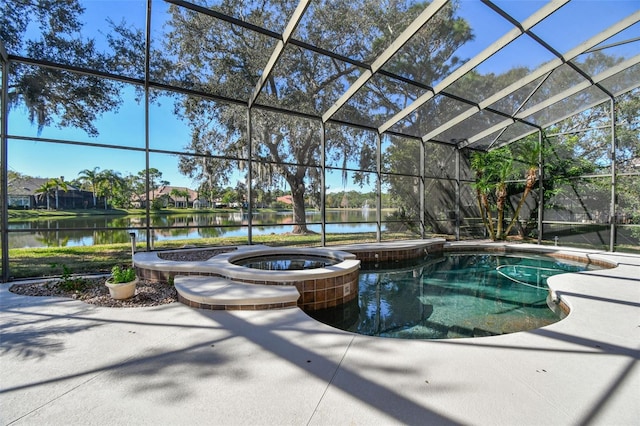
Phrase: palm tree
(492, 170)
(52, 185)
(502, 171)
(483, 188)
(59, 184)
(184, 193)
(90, 179)
(175, 194)
(483, 164)
(108, 182)
(45, 191)
(530, 156)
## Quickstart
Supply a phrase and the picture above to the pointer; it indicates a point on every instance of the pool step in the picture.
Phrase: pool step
(217, 293)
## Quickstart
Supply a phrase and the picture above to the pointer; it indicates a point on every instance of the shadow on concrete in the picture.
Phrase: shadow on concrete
(625, 374)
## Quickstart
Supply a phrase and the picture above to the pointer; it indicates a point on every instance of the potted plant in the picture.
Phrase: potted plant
(122, 282)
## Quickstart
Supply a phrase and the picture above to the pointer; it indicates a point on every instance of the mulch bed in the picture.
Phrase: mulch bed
(93, 291)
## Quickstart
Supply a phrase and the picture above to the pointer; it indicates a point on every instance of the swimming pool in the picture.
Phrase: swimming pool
(452, 295)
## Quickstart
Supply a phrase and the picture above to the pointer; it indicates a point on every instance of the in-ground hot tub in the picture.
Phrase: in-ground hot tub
(324, 278)
(332, 282)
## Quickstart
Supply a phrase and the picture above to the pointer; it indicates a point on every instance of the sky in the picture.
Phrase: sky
(122, 128)
(126, 126)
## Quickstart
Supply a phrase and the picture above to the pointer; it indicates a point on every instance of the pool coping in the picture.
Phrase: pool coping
(217, 293)
(221, 264)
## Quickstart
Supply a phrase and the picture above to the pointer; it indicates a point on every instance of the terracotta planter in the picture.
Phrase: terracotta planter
(122, 290)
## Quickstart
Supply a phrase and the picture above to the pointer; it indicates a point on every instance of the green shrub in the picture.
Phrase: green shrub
(122, 275)
(67, 281)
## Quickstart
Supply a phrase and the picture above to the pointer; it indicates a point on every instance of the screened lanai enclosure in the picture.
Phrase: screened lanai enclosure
(314, 123)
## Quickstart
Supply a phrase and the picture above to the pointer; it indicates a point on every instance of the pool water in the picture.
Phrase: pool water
(286, 262)
(451, 296)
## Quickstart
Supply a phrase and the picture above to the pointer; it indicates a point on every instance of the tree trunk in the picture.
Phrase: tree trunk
(501, 199)
(483, 215)
(487, 211)
(299, 216)
(531, 181)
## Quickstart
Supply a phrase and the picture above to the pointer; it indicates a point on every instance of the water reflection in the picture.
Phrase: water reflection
(54, 232)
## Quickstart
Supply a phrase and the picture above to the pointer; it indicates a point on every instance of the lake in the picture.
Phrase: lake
(87, 231)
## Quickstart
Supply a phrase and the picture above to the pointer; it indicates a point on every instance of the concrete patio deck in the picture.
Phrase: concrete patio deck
(66, 362)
